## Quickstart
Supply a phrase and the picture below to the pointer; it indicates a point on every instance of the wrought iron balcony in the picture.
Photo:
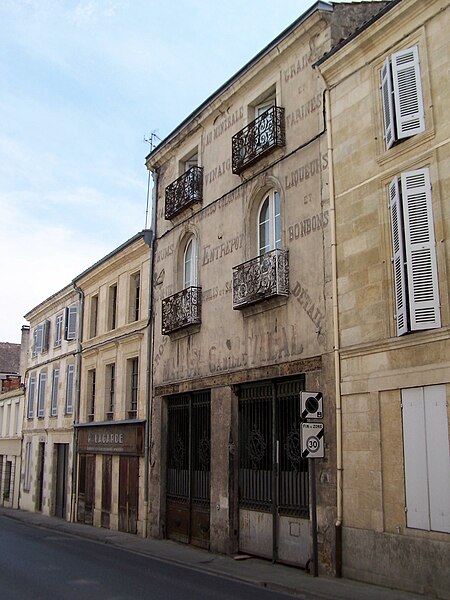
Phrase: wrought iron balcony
(184, 191)
(260, 278)
(258, 138)
(181, 309)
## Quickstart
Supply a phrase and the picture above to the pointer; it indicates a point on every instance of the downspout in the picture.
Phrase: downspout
(336, 344)
(77, 402)
(149, 237)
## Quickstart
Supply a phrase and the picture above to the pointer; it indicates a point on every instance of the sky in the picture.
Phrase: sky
(83, 83)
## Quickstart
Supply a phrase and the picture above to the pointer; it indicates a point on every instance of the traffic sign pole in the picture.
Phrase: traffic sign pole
(312, 467)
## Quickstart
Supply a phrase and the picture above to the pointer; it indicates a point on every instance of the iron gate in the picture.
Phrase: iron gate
(273, 476)
(188, 468)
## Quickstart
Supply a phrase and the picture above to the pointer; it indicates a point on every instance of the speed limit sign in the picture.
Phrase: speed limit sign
(312, 440)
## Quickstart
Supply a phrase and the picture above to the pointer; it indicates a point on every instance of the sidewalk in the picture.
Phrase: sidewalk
(253, 570)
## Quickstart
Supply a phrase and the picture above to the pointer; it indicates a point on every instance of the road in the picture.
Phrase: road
(41, 564)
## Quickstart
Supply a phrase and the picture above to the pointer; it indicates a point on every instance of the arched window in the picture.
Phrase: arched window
(269, 225)
(190, 263)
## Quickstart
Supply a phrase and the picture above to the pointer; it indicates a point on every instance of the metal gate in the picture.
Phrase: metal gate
(188, 468)
(273, 476)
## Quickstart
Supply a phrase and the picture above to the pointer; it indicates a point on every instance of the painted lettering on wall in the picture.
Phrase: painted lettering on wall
(305, 171)
(225, 123)
(297, 116)
(164, 253)
(307, 226)
(217, 292)
(305, 60)
(212, 253)
(310, 307)
(217, 172)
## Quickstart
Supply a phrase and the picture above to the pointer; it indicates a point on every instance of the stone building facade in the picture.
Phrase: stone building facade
(112, 476)
(243, 312)
(388, 91)
(51, 389)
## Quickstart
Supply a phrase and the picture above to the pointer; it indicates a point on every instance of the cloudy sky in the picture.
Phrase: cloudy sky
(82, 82)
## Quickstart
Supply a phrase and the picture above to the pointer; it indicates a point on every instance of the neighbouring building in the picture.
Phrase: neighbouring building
(112, 475)
(9, 360)
(388, 87)
(11, 417)
(51, 391)
(243, 310)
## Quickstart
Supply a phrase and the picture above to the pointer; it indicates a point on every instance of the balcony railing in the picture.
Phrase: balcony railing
(181, 309)
(184, 191)
(260, 278)
(258, 138)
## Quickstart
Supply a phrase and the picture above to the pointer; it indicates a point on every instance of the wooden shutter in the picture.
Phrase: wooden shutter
(414, 447)
(46, 336)
(400, 284)
(438, 460)
(31, 391)
(409, 110)
(420, 250)
(388, 104)
(70, 328)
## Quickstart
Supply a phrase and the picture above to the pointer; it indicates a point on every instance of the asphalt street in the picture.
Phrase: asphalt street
(43, 564)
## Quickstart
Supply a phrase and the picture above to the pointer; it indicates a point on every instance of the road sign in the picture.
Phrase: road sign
(311, 405)
(312, 440)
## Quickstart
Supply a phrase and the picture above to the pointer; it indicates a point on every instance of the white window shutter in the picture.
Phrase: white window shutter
(438, 457)
(46, 336)
(399, 257)
(420, 250)
(409, 109)
(388, 104)
(415, 456)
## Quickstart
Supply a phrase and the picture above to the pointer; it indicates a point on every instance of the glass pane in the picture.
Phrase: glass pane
(187, 278)
(277, 220)
(264, 227)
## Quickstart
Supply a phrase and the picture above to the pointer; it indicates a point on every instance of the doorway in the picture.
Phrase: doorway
(273, 476)
(62, 462)
(86, 489)
(128, 493)
(189, 468)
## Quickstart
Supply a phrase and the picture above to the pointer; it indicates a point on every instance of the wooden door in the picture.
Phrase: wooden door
(106, 490)
(128, 493)
(62, 459)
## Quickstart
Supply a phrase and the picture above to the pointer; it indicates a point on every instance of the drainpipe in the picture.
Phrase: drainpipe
(77, 401)
(336, 343)
(149, 237)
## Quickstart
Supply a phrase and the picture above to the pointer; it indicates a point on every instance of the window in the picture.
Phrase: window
(427, 463)
(8, 419)
(41, 335)
(41, 394)
(112, 307)
(190, 263)
(2, 408)
(192, 161)
(70, 330)
(91, 394)
(93, 316)
(135, 296)
(54, 403)
(269, 225)
(416, 284)
(133, 372)
(16, 418)
(69, 389)
(402, 100)
(31, 392)
(110, 389)
(26, 482)
(58, 330)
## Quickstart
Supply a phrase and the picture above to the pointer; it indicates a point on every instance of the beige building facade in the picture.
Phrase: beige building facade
(11, 417)
(51, 387)
(112, 475)
(243, 313)
(388, 92)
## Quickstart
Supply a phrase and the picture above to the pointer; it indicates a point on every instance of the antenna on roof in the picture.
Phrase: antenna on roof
(151, 141)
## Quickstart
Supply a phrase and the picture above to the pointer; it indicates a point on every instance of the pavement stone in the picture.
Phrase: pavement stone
(253, 570)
